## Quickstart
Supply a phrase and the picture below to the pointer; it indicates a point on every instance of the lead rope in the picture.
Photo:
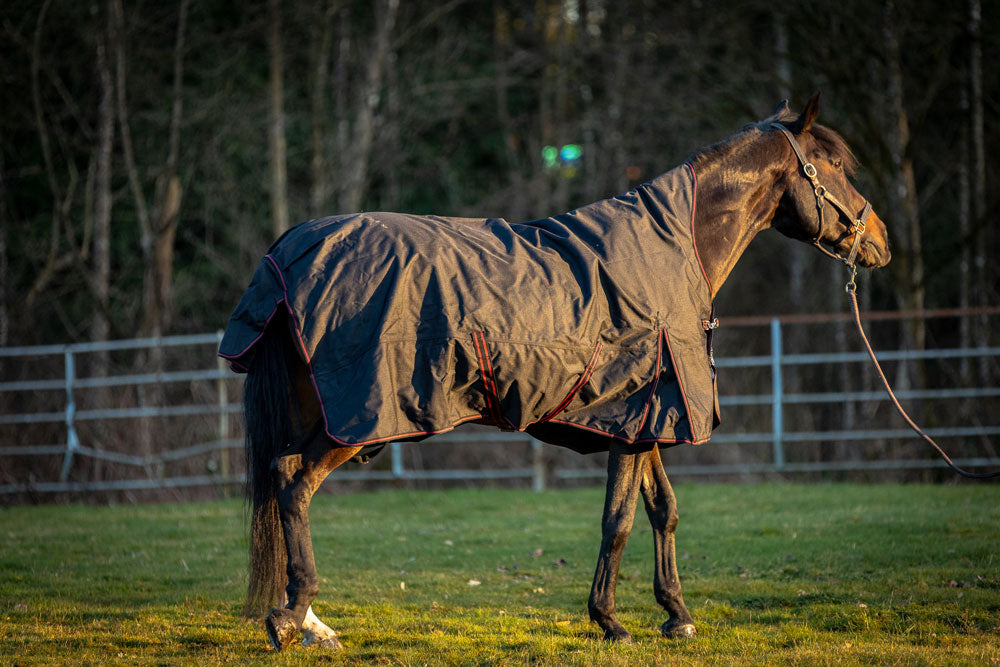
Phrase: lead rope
(851, 289)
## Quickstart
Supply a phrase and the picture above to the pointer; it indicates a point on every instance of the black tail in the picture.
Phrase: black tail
(268, 429)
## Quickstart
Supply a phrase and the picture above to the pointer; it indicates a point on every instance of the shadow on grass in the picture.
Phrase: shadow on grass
(790, 602)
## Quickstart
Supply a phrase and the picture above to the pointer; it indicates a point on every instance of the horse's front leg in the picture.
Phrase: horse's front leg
(298, 477)
(625, 471)
(661, 507)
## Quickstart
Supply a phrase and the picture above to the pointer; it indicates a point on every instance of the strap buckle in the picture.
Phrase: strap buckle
(709, 325)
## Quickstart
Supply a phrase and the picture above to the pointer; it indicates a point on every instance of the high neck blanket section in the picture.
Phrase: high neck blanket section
(578, 329)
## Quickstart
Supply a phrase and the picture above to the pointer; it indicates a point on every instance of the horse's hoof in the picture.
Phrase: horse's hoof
(617, 636)
(672, 630)
(331, 643)
(281, 628)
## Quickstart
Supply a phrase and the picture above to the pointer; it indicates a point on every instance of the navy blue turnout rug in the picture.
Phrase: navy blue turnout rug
(579, 328)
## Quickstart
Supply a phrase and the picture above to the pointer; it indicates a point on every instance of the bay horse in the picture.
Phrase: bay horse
(359, 330)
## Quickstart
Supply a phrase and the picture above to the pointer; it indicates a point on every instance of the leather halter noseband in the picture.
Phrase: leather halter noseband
(822, 196)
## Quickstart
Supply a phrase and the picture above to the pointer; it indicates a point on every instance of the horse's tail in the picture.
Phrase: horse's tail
(268, 429)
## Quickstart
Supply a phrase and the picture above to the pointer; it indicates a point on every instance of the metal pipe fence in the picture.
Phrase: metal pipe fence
(17, 441)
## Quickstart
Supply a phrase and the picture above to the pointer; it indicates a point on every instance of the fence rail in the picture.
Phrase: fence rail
(776, 363)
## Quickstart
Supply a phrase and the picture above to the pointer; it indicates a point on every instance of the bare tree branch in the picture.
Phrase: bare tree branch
(141, 209)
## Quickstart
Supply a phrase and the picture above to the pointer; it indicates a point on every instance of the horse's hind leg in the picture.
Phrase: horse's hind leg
(625, 471)
(298, 477)
(661, 507)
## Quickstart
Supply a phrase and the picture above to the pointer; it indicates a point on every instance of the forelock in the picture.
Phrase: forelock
(834, 144)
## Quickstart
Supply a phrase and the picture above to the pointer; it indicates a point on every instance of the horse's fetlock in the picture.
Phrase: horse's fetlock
(600, 610)
(305, 588)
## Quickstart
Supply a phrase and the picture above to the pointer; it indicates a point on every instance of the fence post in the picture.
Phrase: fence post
(223, 418)
(537, 466)
(777, 420)
(397, 460)
(72, 442)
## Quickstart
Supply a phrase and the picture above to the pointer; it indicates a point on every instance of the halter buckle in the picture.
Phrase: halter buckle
(809, 170)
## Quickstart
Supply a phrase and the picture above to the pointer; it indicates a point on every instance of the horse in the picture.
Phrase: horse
(590, 330)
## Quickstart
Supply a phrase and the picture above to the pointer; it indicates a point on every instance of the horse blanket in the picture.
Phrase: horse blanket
(580, 329)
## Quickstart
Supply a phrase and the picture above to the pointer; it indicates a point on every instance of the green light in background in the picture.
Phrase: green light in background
(549, 156)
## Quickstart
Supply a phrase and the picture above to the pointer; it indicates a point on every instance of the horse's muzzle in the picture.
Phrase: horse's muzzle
(875, 244)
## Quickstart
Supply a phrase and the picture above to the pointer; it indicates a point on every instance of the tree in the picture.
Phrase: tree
(276, 120)
(101, 257)
(905, 212)
(355, 174)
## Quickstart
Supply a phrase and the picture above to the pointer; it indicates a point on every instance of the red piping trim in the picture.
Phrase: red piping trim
(671, 441)
(493, 382)
(587, 372)
(254, 341)
(486, 382)
(694, 242)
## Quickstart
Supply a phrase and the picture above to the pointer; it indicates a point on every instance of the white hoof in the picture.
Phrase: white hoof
(316, 633)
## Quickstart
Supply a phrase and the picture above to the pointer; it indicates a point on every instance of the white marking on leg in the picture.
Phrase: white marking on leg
(315, 631)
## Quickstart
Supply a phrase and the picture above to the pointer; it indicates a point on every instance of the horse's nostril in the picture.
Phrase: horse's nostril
(880, 253)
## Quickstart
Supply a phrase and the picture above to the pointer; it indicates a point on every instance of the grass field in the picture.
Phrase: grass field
(774, 573)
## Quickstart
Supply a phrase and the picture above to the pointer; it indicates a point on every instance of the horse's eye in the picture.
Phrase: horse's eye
(838, 163)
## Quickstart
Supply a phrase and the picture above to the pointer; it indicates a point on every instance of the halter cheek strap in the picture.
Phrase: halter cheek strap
(822, 196)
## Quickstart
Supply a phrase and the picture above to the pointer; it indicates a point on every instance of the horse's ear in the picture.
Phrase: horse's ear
(782, 109)
(808, 115)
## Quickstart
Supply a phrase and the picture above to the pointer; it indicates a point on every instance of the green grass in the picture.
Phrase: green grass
(775, 573)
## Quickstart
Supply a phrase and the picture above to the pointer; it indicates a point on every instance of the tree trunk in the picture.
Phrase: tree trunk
(158, 251)
(516, 206)
(276, 121)
(905, 211)
(4, 272)
(322, 39)
(981, 237)
(618, 180)
(356, 174)
(341, 94)
(965, 272)
(100, 327)
(392, 120)
(100, 269)
(157, 229)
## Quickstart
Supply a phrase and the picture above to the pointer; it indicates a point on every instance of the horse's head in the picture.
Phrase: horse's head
(819, 204)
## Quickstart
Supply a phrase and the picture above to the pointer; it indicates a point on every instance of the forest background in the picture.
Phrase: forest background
(151, 151)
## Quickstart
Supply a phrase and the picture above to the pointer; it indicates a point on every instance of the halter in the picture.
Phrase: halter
(822, 196)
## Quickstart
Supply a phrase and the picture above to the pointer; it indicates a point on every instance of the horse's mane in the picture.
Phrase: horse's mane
(829, 140)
